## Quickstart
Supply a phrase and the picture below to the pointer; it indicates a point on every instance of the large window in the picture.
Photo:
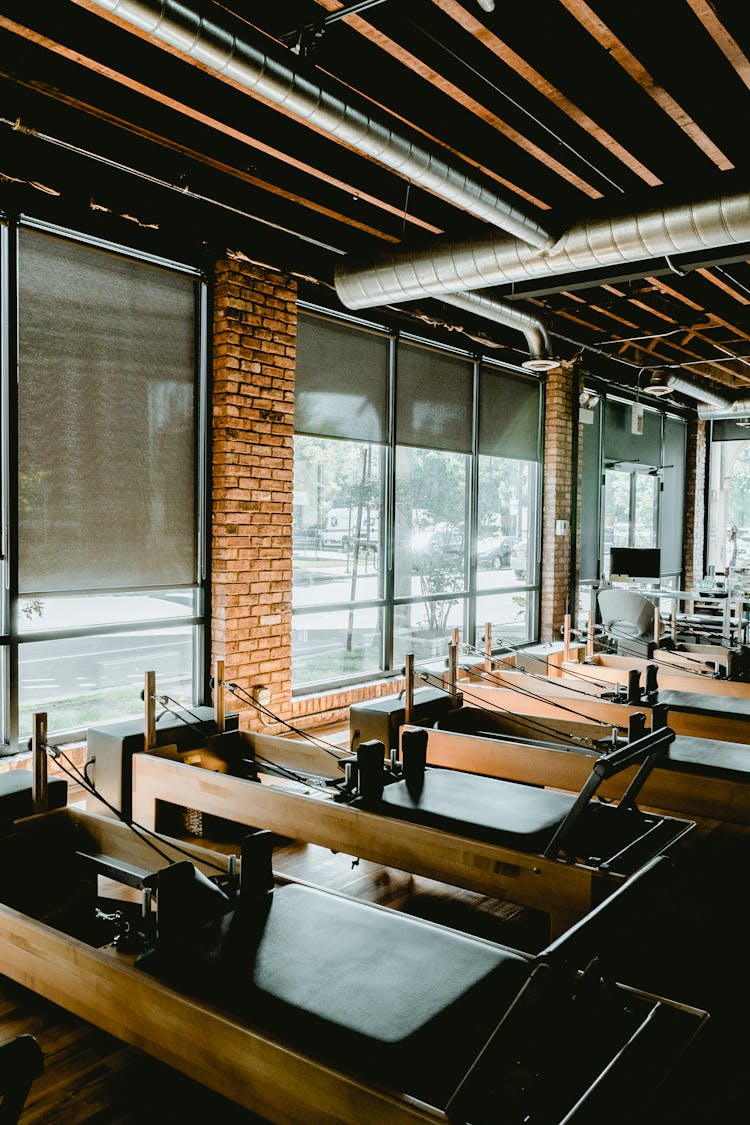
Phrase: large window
(104, 492)
(411, 517)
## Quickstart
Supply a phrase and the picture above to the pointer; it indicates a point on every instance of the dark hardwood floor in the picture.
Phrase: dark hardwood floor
(690, 945)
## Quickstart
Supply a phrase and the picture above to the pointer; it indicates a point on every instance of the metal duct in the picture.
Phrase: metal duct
(703, 394)
(532, 326)
(738, 408)
(225, 56)
(713, 404)
(455, 267)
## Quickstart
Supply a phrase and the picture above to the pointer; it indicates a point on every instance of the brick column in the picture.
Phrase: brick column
(254, 338)
(558, 495)
(695, 502)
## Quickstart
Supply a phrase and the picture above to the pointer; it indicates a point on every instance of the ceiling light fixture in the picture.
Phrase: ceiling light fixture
(658, 384)
(540, 364)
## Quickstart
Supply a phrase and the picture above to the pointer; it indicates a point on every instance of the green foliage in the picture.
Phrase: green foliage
(738, 502)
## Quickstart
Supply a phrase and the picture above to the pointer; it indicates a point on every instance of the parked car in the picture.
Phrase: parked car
(519, 559)
(495, 551)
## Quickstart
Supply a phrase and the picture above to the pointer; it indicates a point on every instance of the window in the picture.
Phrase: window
(104, 486)
(630, 510)
(337, 559)
(729, 508)
(410, 518)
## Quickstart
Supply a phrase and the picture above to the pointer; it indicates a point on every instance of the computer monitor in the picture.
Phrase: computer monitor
(636, 562)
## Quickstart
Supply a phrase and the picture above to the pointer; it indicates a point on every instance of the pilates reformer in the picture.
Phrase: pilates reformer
(697, 713)
(555, 853)
(660, 668)
(511, 733)
(304, 1005)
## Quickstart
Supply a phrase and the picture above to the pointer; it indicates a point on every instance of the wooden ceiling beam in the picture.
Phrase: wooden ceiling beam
(460, 97)
(729, 46)
(619, 53)
(524, 70)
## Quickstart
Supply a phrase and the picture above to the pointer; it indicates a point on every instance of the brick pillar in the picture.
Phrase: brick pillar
(558, 495)
(695, 502)
(254, 338)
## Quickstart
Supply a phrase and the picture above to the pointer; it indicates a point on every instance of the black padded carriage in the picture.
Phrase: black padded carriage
(502, 812)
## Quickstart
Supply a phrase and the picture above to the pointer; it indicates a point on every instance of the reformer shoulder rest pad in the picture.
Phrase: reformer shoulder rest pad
(367, 989)
(705, 704)
(711, 756)
(487, 808)
(15, 794)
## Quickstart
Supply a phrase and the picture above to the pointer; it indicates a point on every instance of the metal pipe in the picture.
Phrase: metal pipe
(502, 312)
(713, 404)
(231, 59)
(454, 267)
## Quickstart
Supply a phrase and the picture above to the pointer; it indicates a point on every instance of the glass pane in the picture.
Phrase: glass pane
(506, 523)
(424, 629)
(672, 500)
(336, 644)
(42, 615)
(644, 524)
(590, 521)
(85, 680)
(338, 488)
(616, 513)
(430, 526)
(512, 618)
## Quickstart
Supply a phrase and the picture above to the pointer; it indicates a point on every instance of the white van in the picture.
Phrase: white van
(339, 528)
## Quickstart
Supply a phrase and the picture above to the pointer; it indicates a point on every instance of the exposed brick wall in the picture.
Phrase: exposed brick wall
(254, 340)
(558, 494)
(695, 502)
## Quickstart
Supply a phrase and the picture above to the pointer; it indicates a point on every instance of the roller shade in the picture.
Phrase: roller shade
(433, 399)
(509, 416)
(106, 420)
(726, 429)
(341, 381)
(621, 445)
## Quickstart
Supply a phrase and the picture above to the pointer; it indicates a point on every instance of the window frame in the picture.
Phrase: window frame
(13, 634)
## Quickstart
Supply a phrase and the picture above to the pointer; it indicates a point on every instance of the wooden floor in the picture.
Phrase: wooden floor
(692, 948)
